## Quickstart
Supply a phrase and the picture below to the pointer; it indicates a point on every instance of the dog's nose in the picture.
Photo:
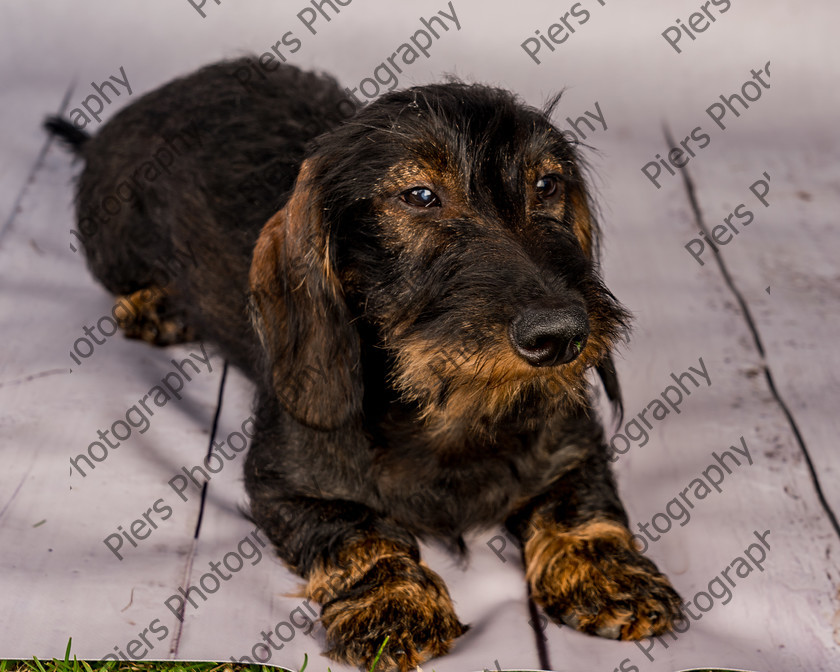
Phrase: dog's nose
(549, 336)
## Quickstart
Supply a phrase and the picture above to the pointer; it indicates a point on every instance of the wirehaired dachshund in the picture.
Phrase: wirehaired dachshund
(413, 287)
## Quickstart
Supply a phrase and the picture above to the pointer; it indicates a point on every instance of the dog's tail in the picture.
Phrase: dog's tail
(72, 137)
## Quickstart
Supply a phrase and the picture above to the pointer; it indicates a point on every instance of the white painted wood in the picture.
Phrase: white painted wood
(490, 596)
(59, 580)
(791, 248)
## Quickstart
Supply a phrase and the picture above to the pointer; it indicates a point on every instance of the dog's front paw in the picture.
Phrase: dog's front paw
(397, 598)
(592, 578)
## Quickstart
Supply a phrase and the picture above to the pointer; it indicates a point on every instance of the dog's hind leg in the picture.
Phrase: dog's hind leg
(148, 315)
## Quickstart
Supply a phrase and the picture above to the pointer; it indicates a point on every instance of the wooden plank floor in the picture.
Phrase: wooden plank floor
(760, 320)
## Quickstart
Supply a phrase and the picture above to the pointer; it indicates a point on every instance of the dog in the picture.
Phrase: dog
(413, 287)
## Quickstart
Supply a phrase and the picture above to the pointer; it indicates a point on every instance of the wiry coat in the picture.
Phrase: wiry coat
(380, 278)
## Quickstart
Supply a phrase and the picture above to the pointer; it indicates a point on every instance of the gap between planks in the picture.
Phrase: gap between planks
(185, 583)
(691, 192)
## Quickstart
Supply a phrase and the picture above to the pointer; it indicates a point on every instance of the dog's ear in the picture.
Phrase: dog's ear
(299, 312)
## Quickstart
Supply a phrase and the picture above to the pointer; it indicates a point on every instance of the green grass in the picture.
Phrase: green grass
(75, 665)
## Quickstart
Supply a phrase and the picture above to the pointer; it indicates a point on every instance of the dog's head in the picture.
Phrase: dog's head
(452, 225)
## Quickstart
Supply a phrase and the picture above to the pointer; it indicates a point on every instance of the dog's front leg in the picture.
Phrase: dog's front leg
(366, 573)
(581, 564)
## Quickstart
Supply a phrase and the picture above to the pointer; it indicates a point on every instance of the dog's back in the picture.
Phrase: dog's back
(177, 186)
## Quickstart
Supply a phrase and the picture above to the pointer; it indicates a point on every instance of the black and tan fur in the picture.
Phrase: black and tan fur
(415, 292)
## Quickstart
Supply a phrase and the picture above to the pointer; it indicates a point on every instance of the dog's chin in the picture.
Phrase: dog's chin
(478, 394)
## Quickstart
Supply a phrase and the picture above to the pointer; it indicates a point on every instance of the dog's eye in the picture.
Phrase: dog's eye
(547, 186)
(420, 197)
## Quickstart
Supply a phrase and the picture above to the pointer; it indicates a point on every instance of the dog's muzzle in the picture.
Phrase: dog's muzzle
(549, 336)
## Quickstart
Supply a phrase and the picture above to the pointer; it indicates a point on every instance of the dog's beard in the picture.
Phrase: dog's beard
(457, 391)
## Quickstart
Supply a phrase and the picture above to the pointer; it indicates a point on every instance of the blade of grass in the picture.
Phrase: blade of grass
(379, 654)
